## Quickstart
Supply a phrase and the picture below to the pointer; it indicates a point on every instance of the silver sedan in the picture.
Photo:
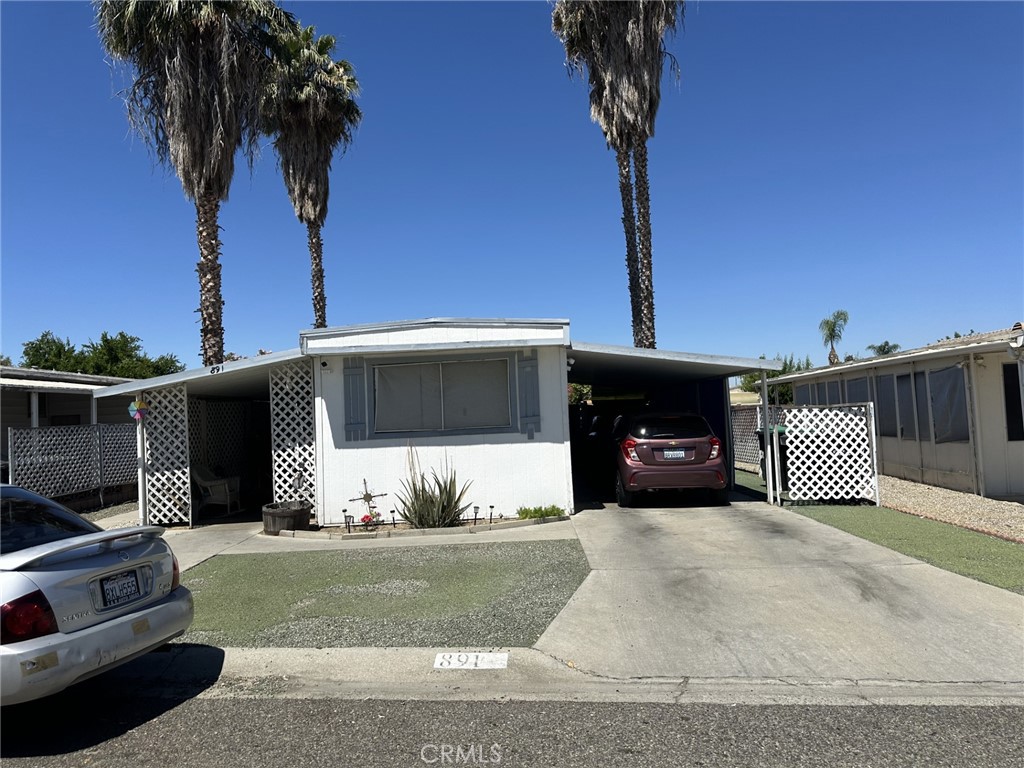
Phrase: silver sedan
(78, 600)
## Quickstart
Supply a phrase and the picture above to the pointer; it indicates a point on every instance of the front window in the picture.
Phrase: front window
(443, 396)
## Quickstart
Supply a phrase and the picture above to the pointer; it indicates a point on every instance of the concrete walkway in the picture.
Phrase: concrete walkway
(747, 603)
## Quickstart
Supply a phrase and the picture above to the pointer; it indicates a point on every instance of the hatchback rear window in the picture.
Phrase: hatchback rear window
(670, 428)
(28, 520)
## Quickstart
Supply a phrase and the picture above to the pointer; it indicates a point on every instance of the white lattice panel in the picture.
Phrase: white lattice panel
(196, 443)
(293, 431)
(225, 436)
(831, 453)
(168, 486)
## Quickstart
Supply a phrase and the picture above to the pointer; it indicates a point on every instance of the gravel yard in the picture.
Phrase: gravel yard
(999, 518)
(478, 595)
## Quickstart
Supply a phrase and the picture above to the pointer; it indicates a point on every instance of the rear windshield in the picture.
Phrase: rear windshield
(670, 427)
(28, 520)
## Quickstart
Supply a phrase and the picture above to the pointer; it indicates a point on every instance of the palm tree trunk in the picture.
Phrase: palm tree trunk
(316, 260)
(629, 228)
(645, 265)
(211, 303)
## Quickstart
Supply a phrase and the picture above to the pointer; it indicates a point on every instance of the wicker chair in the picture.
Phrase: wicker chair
(215, 490)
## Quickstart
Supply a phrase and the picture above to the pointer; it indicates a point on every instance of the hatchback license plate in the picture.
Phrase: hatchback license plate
(120, 589)
(678, 455)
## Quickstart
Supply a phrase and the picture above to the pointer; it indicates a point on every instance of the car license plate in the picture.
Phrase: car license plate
(675, 455)
(120, 589)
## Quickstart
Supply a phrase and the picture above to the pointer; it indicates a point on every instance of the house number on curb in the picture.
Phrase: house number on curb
(471, 661)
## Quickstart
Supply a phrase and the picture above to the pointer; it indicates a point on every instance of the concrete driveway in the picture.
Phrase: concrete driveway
(752, 591)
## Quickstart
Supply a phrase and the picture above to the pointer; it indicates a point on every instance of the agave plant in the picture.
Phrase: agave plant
(434, 503)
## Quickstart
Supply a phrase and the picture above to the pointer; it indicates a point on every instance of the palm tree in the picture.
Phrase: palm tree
(310, 110)
(832, 331)
(620, 46)
(199, 73)
(885, 348)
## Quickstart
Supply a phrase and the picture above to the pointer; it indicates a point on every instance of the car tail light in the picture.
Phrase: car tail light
(716, 447)
(26, 618)
(175, 574)
(629, 450)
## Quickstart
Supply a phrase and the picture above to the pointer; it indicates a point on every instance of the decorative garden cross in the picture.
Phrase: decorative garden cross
(367, 498)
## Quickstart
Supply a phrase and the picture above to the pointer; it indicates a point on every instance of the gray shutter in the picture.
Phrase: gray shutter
(529, 393)
(355, 399)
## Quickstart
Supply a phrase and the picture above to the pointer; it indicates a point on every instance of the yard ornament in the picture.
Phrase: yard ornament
(138, 410)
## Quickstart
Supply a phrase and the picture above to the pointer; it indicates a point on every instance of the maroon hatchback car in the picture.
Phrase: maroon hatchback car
(667, 452)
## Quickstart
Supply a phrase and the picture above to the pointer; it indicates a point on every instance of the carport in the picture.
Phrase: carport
(625, 380)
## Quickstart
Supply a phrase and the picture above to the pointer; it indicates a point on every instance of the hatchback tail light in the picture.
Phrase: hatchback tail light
(26, 618)
(629, 450)
(175, 574)
(716, 447)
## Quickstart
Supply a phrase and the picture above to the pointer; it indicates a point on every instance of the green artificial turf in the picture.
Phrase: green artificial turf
(976, 555)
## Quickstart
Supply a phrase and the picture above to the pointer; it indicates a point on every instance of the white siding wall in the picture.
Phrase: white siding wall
(1002, 459)
(507, 470)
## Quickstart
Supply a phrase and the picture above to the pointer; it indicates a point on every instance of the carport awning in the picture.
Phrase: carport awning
(604, 365)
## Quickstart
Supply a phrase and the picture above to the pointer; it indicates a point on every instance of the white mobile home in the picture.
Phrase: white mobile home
(488, 398)
(949, 414)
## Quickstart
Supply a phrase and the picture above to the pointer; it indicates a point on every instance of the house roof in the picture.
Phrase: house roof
(593, 363)
(37, 380)
(990, 341)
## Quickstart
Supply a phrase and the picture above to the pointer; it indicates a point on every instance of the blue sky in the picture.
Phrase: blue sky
(813, 156)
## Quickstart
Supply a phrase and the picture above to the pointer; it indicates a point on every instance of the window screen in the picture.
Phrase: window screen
(857, 391)
(905, 404)
(886, 407)
(475, 394)
(1011, 397)
(408, 398)
(421, 397)
(949, 405)
(802, 394)
(833, 393)
(924, 424)
(822, 398)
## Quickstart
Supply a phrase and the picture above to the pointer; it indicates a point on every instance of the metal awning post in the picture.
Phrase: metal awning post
(769, 473)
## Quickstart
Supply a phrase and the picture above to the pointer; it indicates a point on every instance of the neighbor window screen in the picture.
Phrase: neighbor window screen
(949, 405)
(886, 407)
(442, 396)
(1011, 397)
(802, 394)
(833, 393)
(905, 403)
(475, 394)
(857, 391)
(924, 424)
(820, 394)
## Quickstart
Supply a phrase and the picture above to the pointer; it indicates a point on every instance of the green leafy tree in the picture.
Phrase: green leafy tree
(5, 360)
(832, 328)
(620, 47)
(49, 353)
(122, 355)
(751, 382)
(885, 348)
(200, 69)
(310, 111)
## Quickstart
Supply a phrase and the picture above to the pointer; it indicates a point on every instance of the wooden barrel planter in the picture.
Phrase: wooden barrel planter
(286, 516)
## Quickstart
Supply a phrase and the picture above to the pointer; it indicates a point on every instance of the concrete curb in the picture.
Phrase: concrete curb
(385, 533)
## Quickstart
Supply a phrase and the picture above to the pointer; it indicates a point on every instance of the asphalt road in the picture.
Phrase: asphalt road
(94, 725)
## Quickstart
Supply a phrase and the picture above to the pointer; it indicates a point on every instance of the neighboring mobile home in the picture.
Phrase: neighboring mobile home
(488, 398)
(949, 414)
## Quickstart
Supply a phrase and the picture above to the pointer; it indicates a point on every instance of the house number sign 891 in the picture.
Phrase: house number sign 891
(471, 661)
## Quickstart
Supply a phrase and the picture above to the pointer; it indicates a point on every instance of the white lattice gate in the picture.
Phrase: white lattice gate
(168, 492)
(830, 452)
(293, 432)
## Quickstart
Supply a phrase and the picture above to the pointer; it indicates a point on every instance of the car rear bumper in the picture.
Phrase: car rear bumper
(36, 668)
(705, 476)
